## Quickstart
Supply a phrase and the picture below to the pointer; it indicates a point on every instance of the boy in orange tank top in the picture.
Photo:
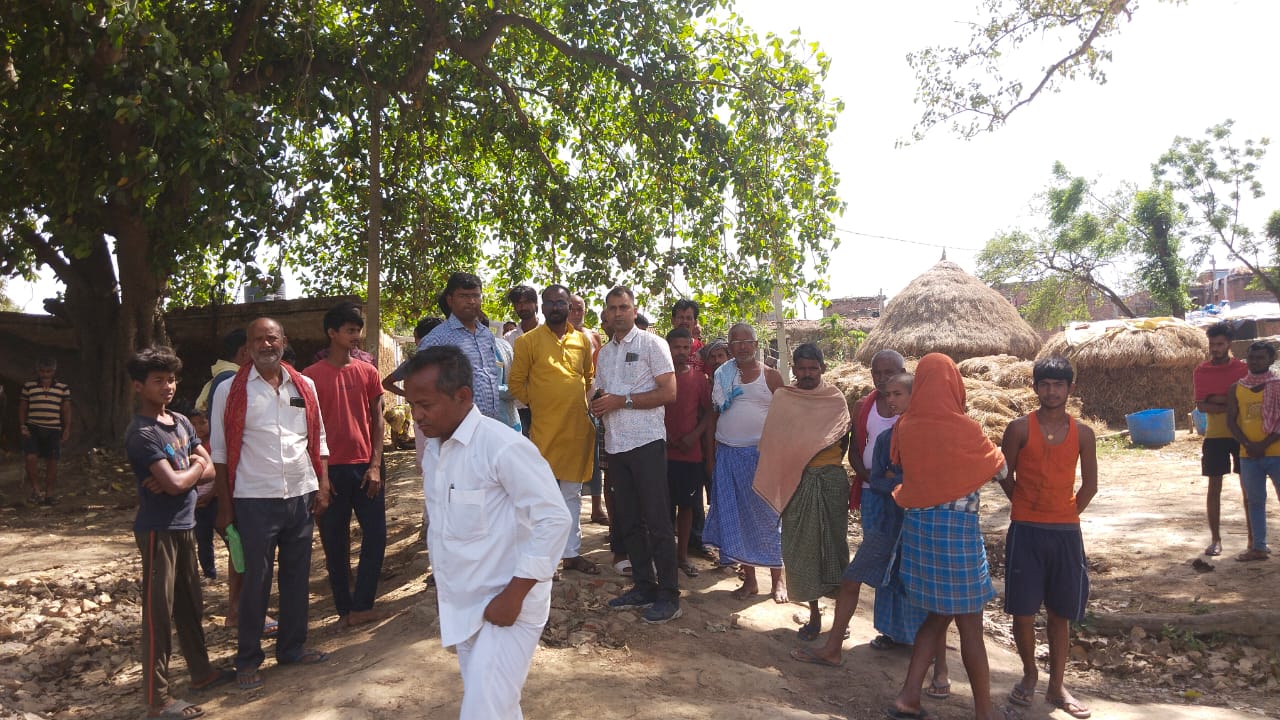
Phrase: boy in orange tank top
(1044, 553)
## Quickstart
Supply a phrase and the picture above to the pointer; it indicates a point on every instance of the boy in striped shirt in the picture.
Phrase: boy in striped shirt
(44, 419)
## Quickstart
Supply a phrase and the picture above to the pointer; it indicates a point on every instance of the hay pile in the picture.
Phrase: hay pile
(949, 311)
(992, 404)
(1005, 371)
(1135, 368)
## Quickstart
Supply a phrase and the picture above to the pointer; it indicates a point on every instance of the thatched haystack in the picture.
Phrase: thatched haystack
(947, 310)
(1135, 366)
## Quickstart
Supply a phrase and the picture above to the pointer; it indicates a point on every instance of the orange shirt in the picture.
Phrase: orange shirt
(1045, 478)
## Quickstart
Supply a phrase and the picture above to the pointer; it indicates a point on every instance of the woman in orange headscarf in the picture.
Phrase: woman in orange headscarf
(945, 458)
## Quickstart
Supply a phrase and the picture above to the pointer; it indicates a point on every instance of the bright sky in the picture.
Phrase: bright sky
(1177, 70)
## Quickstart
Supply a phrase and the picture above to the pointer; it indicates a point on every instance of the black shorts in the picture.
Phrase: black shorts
(685, 479)
(1219, 456)
(43, 442)
(1045, 567)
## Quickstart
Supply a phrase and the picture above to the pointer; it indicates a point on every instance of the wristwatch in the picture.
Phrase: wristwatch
(630, 405)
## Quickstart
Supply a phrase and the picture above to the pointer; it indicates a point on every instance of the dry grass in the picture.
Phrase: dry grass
(1135, 370)
(949, 311)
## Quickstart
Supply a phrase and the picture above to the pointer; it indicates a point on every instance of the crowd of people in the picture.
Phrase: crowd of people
(511, 432)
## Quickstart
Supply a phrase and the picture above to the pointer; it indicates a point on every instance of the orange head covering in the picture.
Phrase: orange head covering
(943, 452)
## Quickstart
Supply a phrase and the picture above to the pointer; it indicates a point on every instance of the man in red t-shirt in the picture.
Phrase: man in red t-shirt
(1220, 453)
(350, 394)
(687, 419)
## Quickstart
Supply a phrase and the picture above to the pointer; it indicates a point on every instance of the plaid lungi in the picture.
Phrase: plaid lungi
(943, 561)
(871, 562)
(740, 522)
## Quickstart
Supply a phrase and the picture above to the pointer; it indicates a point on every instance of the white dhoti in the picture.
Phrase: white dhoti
(494, 663)
(572, 494)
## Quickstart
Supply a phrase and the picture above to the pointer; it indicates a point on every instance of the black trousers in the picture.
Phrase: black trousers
(267, 527)
(642, 516)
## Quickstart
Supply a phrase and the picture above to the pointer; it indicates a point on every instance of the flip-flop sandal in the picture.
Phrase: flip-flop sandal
(689, 569)
(1074, 709)
(306, 657)
(248, 679)
(623, 567)
(220, 677)
(1251, 556)
(809, 633)
(805, 655)
(1021, 696)
(1214, 549)
(271, 629)
(938, 692)
(883, 642)
(177, 710)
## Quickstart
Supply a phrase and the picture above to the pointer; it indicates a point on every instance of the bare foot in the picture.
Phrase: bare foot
(779, 593)
(746, 590)
(360, 617)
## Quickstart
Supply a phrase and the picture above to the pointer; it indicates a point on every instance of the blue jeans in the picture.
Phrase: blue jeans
(1253, 480)
(335, 537)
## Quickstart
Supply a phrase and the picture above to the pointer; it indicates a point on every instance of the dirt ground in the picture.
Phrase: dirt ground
(69, 617)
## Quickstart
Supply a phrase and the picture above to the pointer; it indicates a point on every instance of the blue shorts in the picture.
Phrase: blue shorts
(1045, 565)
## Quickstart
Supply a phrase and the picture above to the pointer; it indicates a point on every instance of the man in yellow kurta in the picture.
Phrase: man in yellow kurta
(551, 373)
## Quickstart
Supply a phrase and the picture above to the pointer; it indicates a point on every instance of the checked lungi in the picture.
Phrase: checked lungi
(943, 560)
(815, 545)
(740, 522)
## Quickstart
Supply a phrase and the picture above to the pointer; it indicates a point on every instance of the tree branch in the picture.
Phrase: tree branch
(1112, 9)
(246, 20)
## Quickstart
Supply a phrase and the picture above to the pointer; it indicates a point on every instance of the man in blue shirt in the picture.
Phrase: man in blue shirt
(463, 329)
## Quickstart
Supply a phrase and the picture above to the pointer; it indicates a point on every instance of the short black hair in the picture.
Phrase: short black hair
(342, 314)
(153, 359)
(185, 407)
(462, 281)
(232, 342)
(642, 322)
(620, 290)
(808, 351)
(521, 292)
(685, 304)
(679, 334)
(425, 326)
(1052, 368)
(453, 366)
(46, 362)
(1220, 329)
(1264, 346)
(555, 287)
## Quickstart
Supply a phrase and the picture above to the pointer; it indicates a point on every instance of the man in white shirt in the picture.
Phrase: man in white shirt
(269, 453)
(635, 378)
(498, 526)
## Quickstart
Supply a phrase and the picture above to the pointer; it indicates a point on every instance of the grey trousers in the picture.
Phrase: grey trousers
(268, 526)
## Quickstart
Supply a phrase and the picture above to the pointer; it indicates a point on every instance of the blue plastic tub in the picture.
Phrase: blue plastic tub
(1151, 427)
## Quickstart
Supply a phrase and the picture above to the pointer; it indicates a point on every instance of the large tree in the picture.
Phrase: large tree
(1214, 178)
(161, 144)
(1092, 245)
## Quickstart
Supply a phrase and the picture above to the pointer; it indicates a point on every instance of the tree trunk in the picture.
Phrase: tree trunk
(373, 304)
